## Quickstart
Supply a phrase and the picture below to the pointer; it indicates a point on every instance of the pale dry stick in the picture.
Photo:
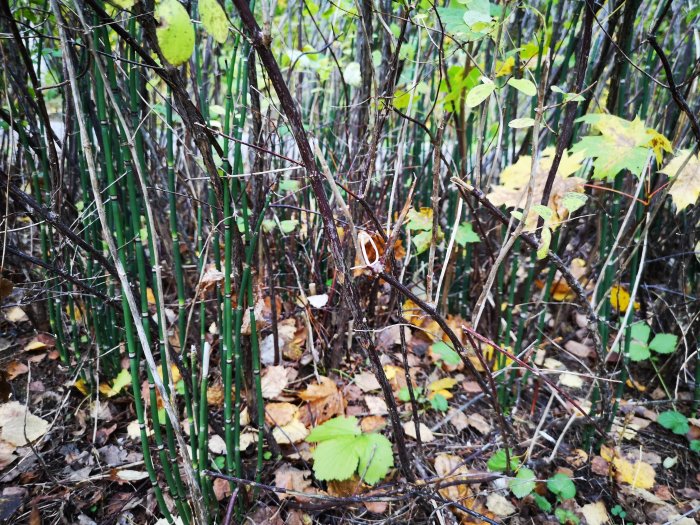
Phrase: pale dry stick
(450, 246)
(199, 509)
(309, 328)
(635, 288)
(533, 442)
(620, 234)
(505, 249)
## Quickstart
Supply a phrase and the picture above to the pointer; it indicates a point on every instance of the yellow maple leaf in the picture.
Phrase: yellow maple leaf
(620, 299)
(685, 189)
(659, 143)
(638, 474)
(514, 179)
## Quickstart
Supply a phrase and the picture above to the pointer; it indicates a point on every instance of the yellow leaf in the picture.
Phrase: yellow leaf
(81, 386)
(659, 143)
(620, 299)
(123, 379)
(505, 67)
(34, 345)
(442, 384)
(638, 474)
(150, 297)
(685, 189)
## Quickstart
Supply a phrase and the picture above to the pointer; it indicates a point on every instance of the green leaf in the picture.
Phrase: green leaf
(561, 486)
(438, 402)
(125, 4)
(336, 458)
(640, 331)
(543, 211)
(674, 421)
(519, 123)
(465, 234)
(175, 33)
(220, 462)
(573, 201)
(479, 93)
(497, 462)
(376, 457)
(523, 483)
(214, 20)
(638, 351)
(663, 343)
(695, 445)
(566, 516)
(542, 503)
(446, 353)
(422, 241)
(122, 380)
(525, 86)
(289, 225)
(420, 220)
(621, 145)
(335, 428)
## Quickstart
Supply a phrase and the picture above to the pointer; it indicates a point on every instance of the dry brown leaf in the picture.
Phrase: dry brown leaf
(451, 468)
(215, 395)
(18, 426)
(479, 422)
(274, 381)
(279, 413)
(367, 382)
(499, 505)
(317, 391)
(291, 478)
(376, 405)
(16, 315)
(292, 432)
(217, 445)
(324, 402)
(222, 489)
(458, 419)
(426, 435)
(15, 368)
(371, 424)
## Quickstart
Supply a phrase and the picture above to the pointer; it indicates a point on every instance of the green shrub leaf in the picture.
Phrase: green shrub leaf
(663, 343)
(337, 427)
(523, 483)
(175, 33)
(214, 19)
(497, 462)
(478, 94)
(376, 457)
(561, 486)
(525, 86)
(336, 459)
(674, 421)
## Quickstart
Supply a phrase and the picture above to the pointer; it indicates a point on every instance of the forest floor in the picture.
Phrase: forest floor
(85, 464)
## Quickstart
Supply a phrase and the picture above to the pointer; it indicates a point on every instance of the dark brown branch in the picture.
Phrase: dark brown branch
(345, 279)
(673, 87)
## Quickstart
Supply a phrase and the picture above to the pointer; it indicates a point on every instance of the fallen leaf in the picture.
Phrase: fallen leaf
(293, 432)
(217, 445)
(222, 489)
(620, 299)
(18, 426)
(595, 513)
(479, 422)
(318, 391)
(685, 189)
(279, 413)
(16, 315)
(15, 368)
(426, 436)
(130, 475)
(371, 424)
(318, 301)
(458, 419)
(324, 402)
(571, 380)
(499, 505)
(367, 382)
(291, 478)
(376, 405)
(638, 474)
(33, 345)
(274, 381)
